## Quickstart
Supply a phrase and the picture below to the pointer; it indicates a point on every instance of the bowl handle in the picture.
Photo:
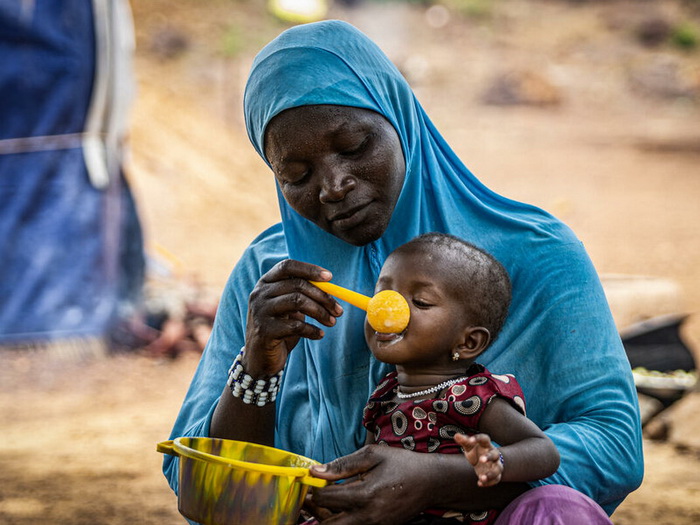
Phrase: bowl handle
(314, 482)
(166, 447)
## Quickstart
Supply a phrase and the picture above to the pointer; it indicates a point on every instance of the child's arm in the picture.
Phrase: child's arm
(484, 457)
(528, 454)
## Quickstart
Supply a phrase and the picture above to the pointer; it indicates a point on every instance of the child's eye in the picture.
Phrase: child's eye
(421, 304)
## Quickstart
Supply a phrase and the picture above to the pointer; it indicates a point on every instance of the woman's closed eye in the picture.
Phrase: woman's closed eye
(294, 178)
(356, 149)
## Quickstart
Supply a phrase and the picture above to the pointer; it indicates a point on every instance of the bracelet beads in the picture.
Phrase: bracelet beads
(252, 391)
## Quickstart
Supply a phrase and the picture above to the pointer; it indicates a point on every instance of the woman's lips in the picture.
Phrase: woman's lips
(349, 219)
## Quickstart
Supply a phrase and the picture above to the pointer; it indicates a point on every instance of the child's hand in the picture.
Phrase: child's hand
(484, 457)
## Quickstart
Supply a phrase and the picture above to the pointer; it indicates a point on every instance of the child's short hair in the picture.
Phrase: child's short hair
(484, 284)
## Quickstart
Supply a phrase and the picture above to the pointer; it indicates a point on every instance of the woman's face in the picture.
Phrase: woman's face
(340, 167)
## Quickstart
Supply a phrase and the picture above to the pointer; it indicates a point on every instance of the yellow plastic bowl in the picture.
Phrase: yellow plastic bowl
(224, 482)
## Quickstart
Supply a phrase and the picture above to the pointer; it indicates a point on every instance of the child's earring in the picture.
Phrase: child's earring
(455, 356)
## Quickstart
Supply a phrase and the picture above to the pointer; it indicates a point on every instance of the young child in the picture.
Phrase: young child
(439, 399)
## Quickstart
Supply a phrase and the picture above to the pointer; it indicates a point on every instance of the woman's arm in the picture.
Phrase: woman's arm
(406, 483)
(226, 339)
(583, 396)
(392, 485)
(278, 309)
(234, 419)
(209, 409)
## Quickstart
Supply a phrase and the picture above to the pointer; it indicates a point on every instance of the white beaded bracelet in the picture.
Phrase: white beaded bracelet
(263, 391)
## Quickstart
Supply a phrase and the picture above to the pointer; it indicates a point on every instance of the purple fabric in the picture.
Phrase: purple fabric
(545, 505)
(553, 505)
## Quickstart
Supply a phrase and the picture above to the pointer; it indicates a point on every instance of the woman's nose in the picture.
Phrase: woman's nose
(335, 185)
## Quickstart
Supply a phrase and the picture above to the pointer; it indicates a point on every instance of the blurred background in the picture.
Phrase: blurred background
(588, 109)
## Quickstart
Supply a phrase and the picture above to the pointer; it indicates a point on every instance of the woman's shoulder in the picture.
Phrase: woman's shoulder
(266, 250)
(269, 241)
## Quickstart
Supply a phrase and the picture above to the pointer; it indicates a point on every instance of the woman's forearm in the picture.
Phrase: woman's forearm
(454, 486)
(382, 480)
(234, 419)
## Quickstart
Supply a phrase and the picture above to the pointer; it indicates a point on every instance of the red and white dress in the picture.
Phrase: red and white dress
(429, 425)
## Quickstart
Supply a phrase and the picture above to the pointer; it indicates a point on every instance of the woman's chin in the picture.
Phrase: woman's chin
(364, 233)
(358, 237)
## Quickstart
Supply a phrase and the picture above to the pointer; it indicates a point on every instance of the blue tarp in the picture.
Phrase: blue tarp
(71, 252)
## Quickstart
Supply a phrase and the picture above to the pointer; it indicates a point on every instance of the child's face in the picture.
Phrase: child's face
(425, 278)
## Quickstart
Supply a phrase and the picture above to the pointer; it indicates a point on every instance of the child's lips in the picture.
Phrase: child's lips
(382, 337)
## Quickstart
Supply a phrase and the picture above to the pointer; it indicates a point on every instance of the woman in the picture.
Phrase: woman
(360, 170)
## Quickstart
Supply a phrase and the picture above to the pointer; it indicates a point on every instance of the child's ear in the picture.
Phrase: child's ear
(476, 339)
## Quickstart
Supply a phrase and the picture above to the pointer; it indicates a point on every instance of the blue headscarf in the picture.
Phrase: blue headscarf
(559, 339)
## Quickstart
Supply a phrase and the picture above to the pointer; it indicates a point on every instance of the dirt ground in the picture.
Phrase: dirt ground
(599, 142)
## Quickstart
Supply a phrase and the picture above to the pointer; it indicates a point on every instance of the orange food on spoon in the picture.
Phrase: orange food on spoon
(387, 311)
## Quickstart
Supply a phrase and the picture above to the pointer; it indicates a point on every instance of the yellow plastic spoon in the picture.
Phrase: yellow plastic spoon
(387, 311)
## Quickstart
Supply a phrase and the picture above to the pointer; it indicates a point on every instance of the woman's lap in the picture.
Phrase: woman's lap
(544, 505)
(553, 505)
